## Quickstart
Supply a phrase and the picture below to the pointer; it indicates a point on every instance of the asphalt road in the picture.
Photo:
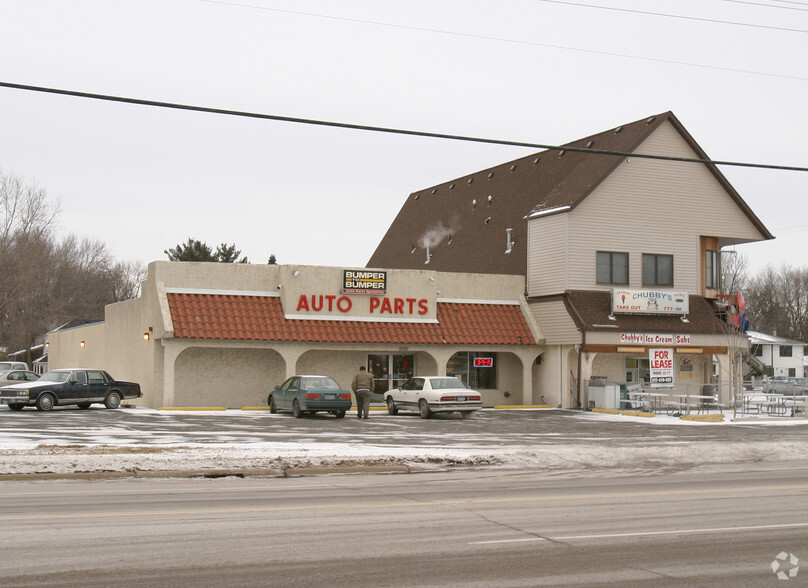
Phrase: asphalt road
(719, 526)
(494, 428)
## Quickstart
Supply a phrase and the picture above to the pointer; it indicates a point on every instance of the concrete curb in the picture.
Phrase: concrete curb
(220, 473)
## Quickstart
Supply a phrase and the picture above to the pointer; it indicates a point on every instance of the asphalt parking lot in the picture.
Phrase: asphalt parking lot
(489, 428)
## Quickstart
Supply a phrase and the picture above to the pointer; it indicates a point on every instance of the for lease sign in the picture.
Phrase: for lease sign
(661, 368)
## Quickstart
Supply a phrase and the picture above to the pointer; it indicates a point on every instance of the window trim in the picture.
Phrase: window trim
(612, 279)
(656, 257)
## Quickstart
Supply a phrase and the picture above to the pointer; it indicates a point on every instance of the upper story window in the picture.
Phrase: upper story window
(657, 270)
(785, 350)
(712, 270)
(612, 268)
(757, 350)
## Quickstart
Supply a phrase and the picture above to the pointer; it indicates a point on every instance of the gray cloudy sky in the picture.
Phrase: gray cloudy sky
(142, 179)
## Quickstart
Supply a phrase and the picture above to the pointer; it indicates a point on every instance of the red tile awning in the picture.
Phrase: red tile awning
(260, 318)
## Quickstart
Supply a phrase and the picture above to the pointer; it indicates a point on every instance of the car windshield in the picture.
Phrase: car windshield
(446, 383)
(54, 377)
(319, 383)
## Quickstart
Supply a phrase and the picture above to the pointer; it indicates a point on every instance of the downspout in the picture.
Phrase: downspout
(582, 328)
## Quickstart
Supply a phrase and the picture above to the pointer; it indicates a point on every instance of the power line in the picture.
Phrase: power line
(388, 130)
(769, 5)
(679, 16)
(505, 39)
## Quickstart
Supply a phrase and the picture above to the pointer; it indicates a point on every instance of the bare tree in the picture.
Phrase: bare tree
(777, 302)
(45, 282)
(734, 272)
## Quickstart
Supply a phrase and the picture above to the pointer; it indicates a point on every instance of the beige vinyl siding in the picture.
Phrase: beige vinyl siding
(557, 326)
(548, 248)
(649, 206)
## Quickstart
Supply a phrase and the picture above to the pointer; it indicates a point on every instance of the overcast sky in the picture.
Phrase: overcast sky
(142, 179)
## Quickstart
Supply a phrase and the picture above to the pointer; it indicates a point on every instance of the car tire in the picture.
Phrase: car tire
(391, 406)
(113, 400)
(45, 401)
(340, 414)
(423, 409)
(16, 407)
(273, 409)
(296, 412)
(466, 413)
(84, 405)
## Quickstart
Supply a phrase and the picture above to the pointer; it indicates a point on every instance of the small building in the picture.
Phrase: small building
(223, 335)
(780, 357)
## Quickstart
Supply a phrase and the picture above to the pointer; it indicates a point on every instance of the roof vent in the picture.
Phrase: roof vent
(589, 144)
(561, 153)
(488, 220)
(509, 243)
(413, 249)
(428, 255)
(650, 120)
(617, 130)
(513, 167)
(434, 190)
(490, 200)
(490, 175)
(470, 180)
(474, 204)
(451, 186)
(417, 196)
(449, 242)
(536, 161)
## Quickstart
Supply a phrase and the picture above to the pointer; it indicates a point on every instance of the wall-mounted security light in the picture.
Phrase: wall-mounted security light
(83, 344)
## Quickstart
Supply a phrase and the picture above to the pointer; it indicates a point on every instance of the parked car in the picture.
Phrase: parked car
(81, 387)
(13, 365)
(430, 394)
(15, 376)
(308, 395)
(789, 386)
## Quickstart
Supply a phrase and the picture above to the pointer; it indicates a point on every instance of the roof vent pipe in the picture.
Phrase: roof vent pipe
(428, 255)
(509, 244)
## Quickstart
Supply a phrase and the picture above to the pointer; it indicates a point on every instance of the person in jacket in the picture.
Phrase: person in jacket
(362, 387)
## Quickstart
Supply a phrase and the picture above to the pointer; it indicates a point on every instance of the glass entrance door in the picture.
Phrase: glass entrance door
(389, 371)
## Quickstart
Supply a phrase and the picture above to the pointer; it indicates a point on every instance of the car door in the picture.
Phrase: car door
(286, 393)
(96, 386)
(74, 389)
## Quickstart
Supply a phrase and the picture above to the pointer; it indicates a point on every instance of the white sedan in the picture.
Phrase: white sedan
(430, 394)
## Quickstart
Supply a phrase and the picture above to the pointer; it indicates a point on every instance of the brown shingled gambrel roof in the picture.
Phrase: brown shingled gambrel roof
(260, 318)
(547, 180)
(591, 309)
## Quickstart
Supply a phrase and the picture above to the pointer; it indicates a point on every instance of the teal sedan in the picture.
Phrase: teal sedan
(310, 395)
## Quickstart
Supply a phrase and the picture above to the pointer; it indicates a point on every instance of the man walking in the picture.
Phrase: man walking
(363, 386)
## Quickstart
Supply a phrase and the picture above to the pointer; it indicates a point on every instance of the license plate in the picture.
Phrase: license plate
(461, 398)
(330, 396)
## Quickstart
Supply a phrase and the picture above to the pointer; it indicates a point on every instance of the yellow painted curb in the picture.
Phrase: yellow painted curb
(606, 410)
(707, 418)
(638, 413)
(192, 408)
(507, 406)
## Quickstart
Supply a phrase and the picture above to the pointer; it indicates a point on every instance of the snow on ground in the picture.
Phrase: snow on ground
(282, 458)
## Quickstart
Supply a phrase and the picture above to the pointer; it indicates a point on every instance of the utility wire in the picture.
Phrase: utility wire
(505, 39)
(679, 16)
(358, 127)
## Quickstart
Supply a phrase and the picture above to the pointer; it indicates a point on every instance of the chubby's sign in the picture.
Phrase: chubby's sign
(655, 339)
(650, 302)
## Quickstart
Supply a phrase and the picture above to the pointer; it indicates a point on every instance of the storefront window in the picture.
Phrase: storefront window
(636, 370)
(476, 370)
(390, 371)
